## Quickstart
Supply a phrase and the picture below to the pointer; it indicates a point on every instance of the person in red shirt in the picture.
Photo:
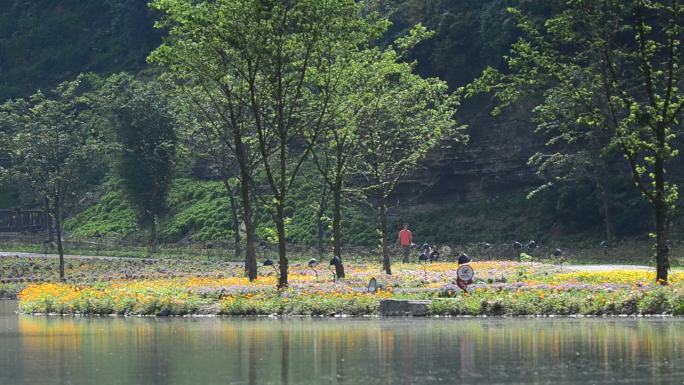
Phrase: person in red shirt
(405, 239)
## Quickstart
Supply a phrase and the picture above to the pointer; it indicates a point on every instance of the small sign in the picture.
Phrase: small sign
(464, 277)
(465, 273)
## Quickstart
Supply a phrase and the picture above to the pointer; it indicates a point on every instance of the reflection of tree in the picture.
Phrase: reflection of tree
(406, 350)
(339, 363)
(155, 363)
(285, 357)
(466, 349)
(251, 361)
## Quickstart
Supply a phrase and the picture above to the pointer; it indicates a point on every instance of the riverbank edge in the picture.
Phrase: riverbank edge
(400, 308)
(359, 317)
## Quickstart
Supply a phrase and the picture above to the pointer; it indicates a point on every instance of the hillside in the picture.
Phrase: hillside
(44, 42)
(460, 193)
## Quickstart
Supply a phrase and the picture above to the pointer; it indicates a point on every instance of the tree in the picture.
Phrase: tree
(144, 128)
(196, 56)
(333, 157)
(52, 144)
(403, 118)
(338, 146)
(575, 154)
(209, 141)
(617, 65)
(273, 61)
(290, 86)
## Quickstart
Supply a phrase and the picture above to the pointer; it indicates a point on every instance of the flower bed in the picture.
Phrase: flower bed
(186, 296)
(503, 288)
(562, 300)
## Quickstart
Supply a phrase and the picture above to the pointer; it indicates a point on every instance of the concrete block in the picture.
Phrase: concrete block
(404, 308)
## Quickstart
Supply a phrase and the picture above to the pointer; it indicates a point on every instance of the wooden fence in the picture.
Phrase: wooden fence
(23, 221)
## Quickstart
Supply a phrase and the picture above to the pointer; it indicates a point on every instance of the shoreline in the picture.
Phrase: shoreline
(359, 317)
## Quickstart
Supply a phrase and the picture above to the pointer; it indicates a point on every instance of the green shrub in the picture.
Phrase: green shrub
(656, 301)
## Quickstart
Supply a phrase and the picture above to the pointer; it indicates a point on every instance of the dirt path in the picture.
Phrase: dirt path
(79, 257)
(41, 255)
(591, 268)
(594, 268)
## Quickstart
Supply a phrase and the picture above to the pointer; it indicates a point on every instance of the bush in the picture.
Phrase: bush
(656, 301)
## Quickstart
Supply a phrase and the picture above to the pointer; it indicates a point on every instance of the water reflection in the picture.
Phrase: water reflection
(51, 350)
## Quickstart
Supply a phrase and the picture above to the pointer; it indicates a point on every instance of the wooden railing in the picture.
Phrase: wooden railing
(17, 220)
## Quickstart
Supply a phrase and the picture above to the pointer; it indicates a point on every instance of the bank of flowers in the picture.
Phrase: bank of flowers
(521, 299)
(502, 288)
(180, 296)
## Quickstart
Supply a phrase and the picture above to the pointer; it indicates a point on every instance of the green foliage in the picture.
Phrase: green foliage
(469, 35)
(265, 74)
(111, 216)
(200, 210)
(358, 225)
(45, 42)
(10, 290)
(574, 207)
(53, 145)
(608, 71)
(657, 302)
(570, 302)
(403, 117)
(678, 304)
(292, 303)
(197, 209)
(144, 127)
(51, 139)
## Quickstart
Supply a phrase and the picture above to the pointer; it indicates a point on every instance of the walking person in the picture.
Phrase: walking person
(405, 239)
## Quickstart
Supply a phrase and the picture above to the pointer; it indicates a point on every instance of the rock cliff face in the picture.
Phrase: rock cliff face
(492, 163)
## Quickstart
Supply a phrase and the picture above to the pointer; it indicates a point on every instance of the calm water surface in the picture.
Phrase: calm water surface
(55, 350)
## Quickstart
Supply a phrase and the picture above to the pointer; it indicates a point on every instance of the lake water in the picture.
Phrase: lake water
(37, 350)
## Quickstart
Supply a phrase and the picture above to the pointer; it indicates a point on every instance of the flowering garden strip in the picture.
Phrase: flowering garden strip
(504, 288)
(186, 296)
(568, 301)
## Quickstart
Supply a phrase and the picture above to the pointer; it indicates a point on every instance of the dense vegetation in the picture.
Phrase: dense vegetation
(46, 42)
(455, 194)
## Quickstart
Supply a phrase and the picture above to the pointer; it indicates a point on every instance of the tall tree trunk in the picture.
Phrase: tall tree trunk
(337, 222)
(386, 263)
(236, 222)
(250, 249)
(320, 226)
(50, 228)
(153, 235)
(607, 216)
(250, 236)
(280, 205)
(661, 210)
(320, 238)
(662, 248)
(58, 228)
(337, 228)
(282, 245)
